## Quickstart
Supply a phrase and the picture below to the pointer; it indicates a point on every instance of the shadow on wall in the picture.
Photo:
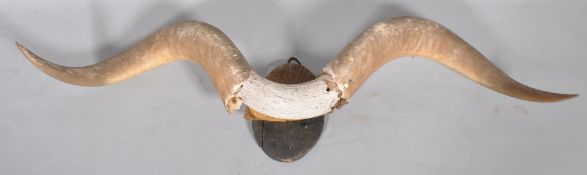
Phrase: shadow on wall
(314, 35)
(327, 28)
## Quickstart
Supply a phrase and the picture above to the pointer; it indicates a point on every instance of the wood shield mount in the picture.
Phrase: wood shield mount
(287, 141)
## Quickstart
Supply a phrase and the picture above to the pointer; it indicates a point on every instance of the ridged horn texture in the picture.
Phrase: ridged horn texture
(237, 82)
(410, 36)
(198, 42)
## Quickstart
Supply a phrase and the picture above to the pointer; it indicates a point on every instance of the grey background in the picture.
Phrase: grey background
(412, 117)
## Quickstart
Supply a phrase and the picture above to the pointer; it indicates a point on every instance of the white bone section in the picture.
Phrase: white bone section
(289, 101)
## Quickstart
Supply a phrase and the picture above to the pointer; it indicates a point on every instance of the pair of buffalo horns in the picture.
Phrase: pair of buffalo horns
(238, 83)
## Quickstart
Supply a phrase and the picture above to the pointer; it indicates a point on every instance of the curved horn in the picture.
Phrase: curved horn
(237, 83)
(192, 40)
(410, 36)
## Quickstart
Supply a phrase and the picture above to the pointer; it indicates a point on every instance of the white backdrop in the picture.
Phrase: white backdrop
(412, 117)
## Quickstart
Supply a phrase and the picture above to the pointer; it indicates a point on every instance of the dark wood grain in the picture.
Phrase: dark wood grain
(291, 140)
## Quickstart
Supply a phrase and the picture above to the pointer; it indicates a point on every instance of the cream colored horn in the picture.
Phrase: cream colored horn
(237, 83)
(411, 36)
(195, 41)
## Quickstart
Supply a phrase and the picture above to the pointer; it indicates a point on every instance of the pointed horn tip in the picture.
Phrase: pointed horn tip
(561, 97)
(31, 56)
(21, 47)
(570, 96)
(27, 53)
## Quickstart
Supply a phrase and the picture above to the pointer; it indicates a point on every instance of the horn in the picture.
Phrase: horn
(411, 36)
(198, 42)
(237, 83)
